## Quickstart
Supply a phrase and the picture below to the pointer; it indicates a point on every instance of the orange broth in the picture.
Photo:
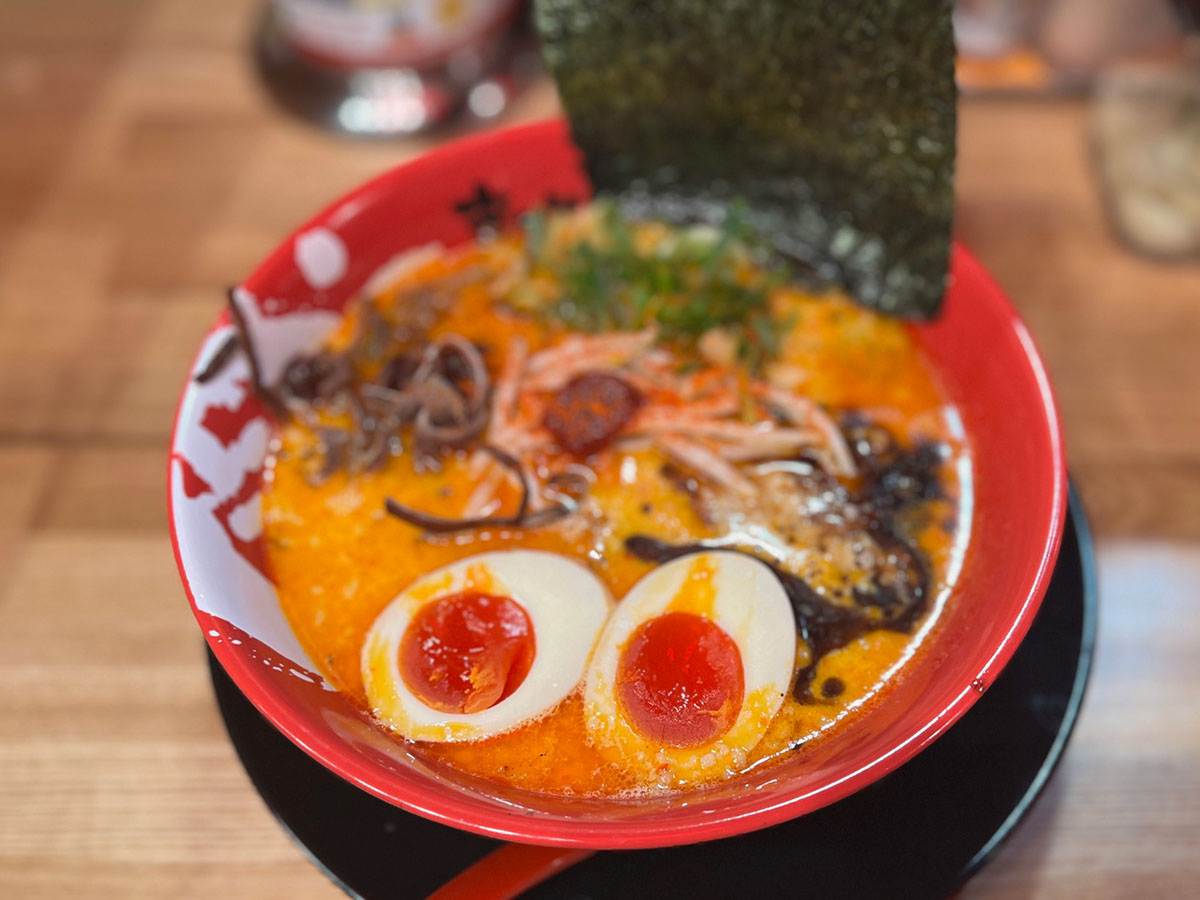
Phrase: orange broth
(338, 559)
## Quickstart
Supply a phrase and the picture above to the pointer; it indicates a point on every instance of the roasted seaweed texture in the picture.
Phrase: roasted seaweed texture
(833, 121)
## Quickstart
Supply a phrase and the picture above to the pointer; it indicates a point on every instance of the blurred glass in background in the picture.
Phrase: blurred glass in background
(378, 68)
(1140, 59)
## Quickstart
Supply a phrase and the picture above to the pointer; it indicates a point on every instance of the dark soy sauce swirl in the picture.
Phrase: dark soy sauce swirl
(895, 479)
(824, 626)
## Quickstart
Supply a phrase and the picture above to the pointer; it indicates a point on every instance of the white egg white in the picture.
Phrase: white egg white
(566, 604)
(750, 605)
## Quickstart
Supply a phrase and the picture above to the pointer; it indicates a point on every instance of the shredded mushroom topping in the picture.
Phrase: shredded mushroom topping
(545, 414)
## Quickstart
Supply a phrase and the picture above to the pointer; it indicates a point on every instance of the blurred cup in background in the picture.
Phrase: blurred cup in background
(391, 67)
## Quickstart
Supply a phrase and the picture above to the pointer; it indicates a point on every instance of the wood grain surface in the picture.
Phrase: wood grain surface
(142, 169)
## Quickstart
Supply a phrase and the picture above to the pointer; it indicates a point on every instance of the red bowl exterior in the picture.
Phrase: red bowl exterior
(989, 366)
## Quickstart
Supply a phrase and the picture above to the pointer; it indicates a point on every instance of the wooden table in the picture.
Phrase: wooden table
(142, 170)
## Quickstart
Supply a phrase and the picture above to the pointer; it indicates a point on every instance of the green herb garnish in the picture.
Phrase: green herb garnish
(694, 280)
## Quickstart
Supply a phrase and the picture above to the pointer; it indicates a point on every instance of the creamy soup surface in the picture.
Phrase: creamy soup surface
(746, 501)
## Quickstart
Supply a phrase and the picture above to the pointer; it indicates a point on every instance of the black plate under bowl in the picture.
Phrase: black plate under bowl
(920, 832)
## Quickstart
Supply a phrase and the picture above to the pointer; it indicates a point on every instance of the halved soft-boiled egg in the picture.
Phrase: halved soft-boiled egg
(691, 668)
(483, 645)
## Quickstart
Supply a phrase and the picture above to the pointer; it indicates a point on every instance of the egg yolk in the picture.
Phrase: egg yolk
(466, 652)
(680, 680)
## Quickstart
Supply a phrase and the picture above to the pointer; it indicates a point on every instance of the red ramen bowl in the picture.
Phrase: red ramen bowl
(986, 361)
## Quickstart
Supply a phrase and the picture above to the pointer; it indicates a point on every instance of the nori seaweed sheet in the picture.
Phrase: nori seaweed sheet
(834, 121)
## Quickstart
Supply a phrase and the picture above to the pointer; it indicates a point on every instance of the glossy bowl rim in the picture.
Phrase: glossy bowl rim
(431, 801)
